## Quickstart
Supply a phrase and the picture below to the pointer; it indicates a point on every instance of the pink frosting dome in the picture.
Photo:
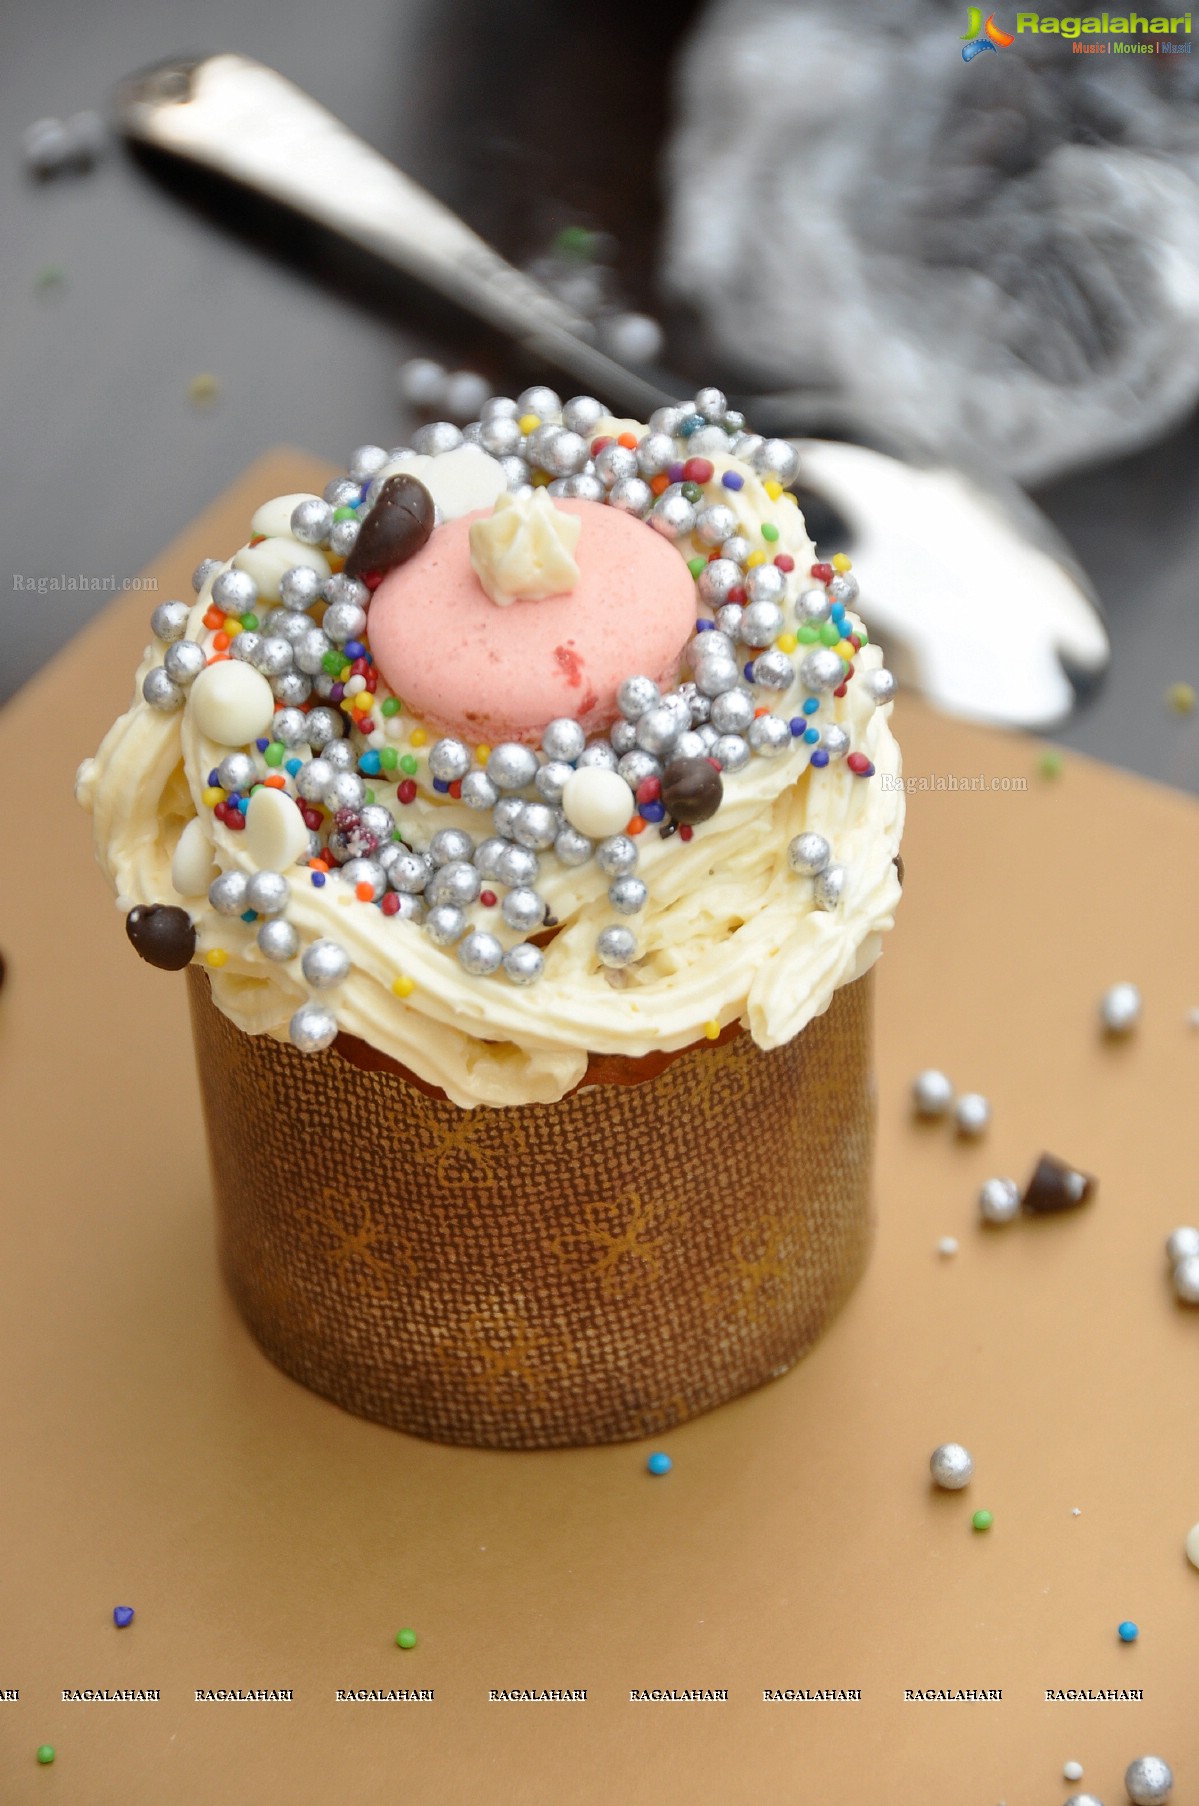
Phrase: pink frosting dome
(469, 667)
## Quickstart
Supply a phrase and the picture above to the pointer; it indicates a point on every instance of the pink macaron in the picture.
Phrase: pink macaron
(469, 667)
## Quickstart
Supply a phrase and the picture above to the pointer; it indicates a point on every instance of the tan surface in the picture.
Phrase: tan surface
(153, 1457)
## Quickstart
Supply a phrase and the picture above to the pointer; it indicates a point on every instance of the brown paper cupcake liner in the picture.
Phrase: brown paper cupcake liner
(591, 1270)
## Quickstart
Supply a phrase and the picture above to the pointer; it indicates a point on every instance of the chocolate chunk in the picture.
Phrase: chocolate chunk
(163, 935)
(1055, 1185)
(396, 528)
(897, 862)
(692, 790)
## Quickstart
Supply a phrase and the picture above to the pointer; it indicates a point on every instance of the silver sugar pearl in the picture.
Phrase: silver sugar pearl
(450, 845)
(343, 537)
(313, 779)
(812, 607)
(617, 855)
(565, 454)
(345, 790)
(951, 1466)
(517, 866)
(245, 645)
(823, 669)
(736, 549)
(227, 894)
(408, 871)
(342, 588)
(377, 820)
(540, 400)
(278, 941)
(769, 736)
(773, 670)
(511, 766)
(291, 688)
(698, 706)
(480, 953)
(999, 1201)
(449, 760)
(563, 739)
(658, 730)
(828, 887)
(290, 727)
(728, 619)
(616, 947)
(1148, 1781)
(445, 924)
(716, 675)
(288, 625)
(506, 814)
(573, 848)
(582, 414)
(668, 419)
(835, 741)
(1186, 1279)
(183, 662)
(160, 692)
(458, 882)
(268, 893)
(627, 895)
(932, 1093)
(708, 645)
(635, 697)
(776, 458)
(636, 766)
(536, 826)
(312, 1027)
(1120, 1008)
(366, 461)
(235, 591)
(524, 963)
(881, 686)
(343, 621)
(236, 771)
(342, 492)
(672, 515)
(438, 437)
(325, 963)
(843, 588)
(551, 780)
(523, 909)
(341, 755)
(765, 583)
(615, 464)
(586, 487)
(598, 752)
(761, 623)
(631, 495)
(711, 403)
(732, 712)
(714, 524)
(1182, 1244)
(478, 791)
(708, 442)
(310, 521)
(500, 436)
(497, 407)
(731, 752)
(169, 621)
(654, 453)
(206, 568)
(272, 655)
(411, 909)
(809, 854)
(538, 446)
(971, 1113)
(516, 474)
(487, 853)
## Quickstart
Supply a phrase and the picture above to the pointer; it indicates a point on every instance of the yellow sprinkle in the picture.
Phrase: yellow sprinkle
(528, 422)
(482, 754)
(539, 479)
(712, 1030)
(362, 702)
(753, 559)
(418, 736)
(216, 956)
(232, 624)
(773, 488)
(846, 651)
(840, 562)
(1180, 698)
(786, 642)
(403, 987)
(213, 794)
(203, 389)
(343, 676)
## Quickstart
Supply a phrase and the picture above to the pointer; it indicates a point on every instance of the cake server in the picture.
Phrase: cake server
(980, 601)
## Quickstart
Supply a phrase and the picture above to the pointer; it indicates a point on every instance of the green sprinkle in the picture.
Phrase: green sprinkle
(982, 1520)
(332, 663)
(697, 566)
(807, 635)
(575, 241)
(274, 754)
(255, 788)
(769, 530)
(409, 766)
(250, 623)
(368, 796)
(344, 514)
(1050, 763)
(862, 635)
(389, 758)
(693, 492)
(391, 706)
(406, 1639)
(830, 633)
(45, 1753)
(50, 278)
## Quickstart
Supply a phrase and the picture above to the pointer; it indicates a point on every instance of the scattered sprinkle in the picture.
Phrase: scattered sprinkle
(659, 1463)
(122, 1615)
(1050, 764)
(45, 1754)
(982, 1520)
(947, 1246)
(406, 1639)
(1180, 699)
(203, 389)
(1127, 1632)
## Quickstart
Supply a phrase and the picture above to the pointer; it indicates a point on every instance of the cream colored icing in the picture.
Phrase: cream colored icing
(524, 549)
(729, 932)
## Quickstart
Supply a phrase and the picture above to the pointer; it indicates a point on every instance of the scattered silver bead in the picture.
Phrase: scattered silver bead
(445, 924)
(206, 568)
(245, 645)
(227, 894)
(496, 406)
(951, 1466)
(716, 674)
(449, 760)
(272, 655)
(235, 591)
(563, 739)
(573, 848)
(1148, 1781)
(812, 607)
(622, 736)
(523, 909)
(160, 692)
(421, 381)
(711, 403)
(699, 707)
(524, 963)
(366, 461)
(511, 766)
(766, 583)
(999, 1201)
(458, 882)
(480, 953)
(566, 454)
(412, 908)
(451, 845)
(341, 588)
(632, 338)
(478, 791)
(341, 755)
(343, 537)
(325, 963)
(627, 895)
(291, 688)
(183, 662)
(672, 514)
(169, 621)
(540, 400)
(732, 712)
(932, 1093)
(714, 524)
(689, 746)
(343, 621)
(971, 1113)
(760, 623)
(843, 588)
(828, 887)
(313, 779)
(731, 753)
(500, 436)
(668, 419)
(586, 487)
(340, 492)
(597, 752)
(310, 649)
(636, 766)
(376, 820)
(654, 453)
(487, 853)
(1120, 1009)
(823, 669)
(631, 495)
(268, 893)
(769, 736)
(658, 730)
(516, 474)
(551, 781)
(506, 814)
(773, 670)
(728, 619)
(809, 854)
(345, 790)
(582, 414)
(312, 1028)
(616, 947)
(881, 686)
(615, 464)
(310, 521)
(536, 826)
(408, 871)
(636, 696)
(1186, 1279)
(289, 625)
(776, 458)
(236, 771)
(736, 549)
(517, 866)
(1182, 1244)
(708, 442)
(290, 728)
(438, 437)
(278, 941)
(617, 855)
(947, 1246)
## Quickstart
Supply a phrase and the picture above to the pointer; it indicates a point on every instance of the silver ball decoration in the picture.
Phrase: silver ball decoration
(654, 453)
(843, 588)
(235, 591)
(343, 537)
(717, 579)
(458, 882)
(207, 567)
(971, 1113)
(615, 464)
(812, 607)
(377, 820)
(1148, 1781)
(565, 454)
(769, 736)
(313, 779)
(698, 707)
(881, 686)
(183, 662)
(582, 414)
(776, 458)
(366, 461)
(808, 854)
(487, 853)
(497, 407)
(631, 495)
(932, 1093)
(169, 621)
(714, 524)
(480, 953)
(290, 626)
(524, 963)
(711, 403)
(445, 924)
(341, 755)
(617, 855)
(342, 588)
(536, 826)
(636, 766)
(672, 514)
(597, 752)
(736, 549)
(500, 436)
(732, 712)
(635, 697)
(999, 1201)
(828, 887)
(478, 791)
(657, 730)
(345, 790)
(438, 437)
(823, 669)
(244, 646)
(523, 909)
(511, 766)
(951, 1466)
(278, 940)
(760, 623)
(563, 739)
(325, 963)
(451, 845)
(627, 895)
(268, 893)
(732, 753)
(1120, 1008)
(291, 688)
(551, 781)
(161, 692)
(272, 655)
(1182, 1244)
(227, 894)
(342, 492)
(728, 619)
(716, 674)
(835, 741)
(412, 908)
(343, 621)
(773, 670)
(290, 728)
(541, 400)
(236, 771)
(506, 814)
(572, 848)
(310, 521)
(312, 1028)
(616, 947)
(408, 871)
(765, 583)
(517, 866)
(586, 487)
(689, 746)
(667, 420)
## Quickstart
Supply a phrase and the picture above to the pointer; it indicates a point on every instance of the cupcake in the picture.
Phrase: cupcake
(525, 811)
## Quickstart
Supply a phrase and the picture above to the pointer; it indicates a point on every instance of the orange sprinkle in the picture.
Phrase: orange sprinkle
(213, 618)
(256, 539)
(335, 563)
(219, 658)
(628, 440)
(221, 642)
(758, 712)
(659, 483)
(275, 782)
(637, 825)
(364, 892)
(318, 865)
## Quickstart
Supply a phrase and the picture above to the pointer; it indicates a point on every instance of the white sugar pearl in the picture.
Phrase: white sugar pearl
(192, 865)
(971, 1113)
(1181, 1244)
(231, 703)
(1192, 1545)
(999, 1201)
(597, 802)
(267, 561)
(273, 518)
(1120, 1009)
(1072, 1771)
(1186, 1279)
(275, 834)
(947, 1246)
(932, 1093)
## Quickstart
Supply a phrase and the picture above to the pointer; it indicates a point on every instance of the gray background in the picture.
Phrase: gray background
(524, 117)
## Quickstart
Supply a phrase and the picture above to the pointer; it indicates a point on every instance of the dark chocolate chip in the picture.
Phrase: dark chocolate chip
(691, 790)
(898, 864)
(395, 529)
(1055, 1185)
(163, 935)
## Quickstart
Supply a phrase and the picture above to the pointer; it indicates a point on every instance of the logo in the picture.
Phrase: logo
(983, 37)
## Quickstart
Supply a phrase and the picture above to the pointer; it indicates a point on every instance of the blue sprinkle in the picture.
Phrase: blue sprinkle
(441, 784)
(1127, 1632)
(811, 736)
(362, 495)
(291, 766)
(214, 778)
(731, 480)
(122, 1615)
(811, 704)
(370, 763)
(819, 758)
(355, 649)
(249, 915)
(243, 803)
(262, 745)
(318, 878)
(838, 610)
(704, 626)
(796, 725)
(651, 812)
(749, 671)
(692, 424)
(659, 1463)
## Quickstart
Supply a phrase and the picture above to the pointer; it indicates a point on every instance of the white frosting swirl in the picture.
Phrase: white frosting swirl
(524, 549)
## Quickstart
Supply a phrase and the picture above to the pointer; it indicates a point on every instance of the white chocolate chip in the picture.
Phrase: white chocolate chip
(231, 703)
(597, 802)
(275, 831)
(267, 561)
(273, 519)
(192, 864)
(459, 481)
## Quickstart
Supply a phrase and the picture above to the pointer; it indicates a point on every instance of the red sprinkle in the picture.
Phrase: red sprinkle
(823, 573)
(840, 690)
(312, 817)
(686, 831)
(456, 789)
(859, 763)
(390, 903)
(487, 899)
(407, 791)
(235, 820)
(784, 561)
(649, 790)
(597, 445)
(697, 470)
(715, 763)
(366, 725)
(736, 594)
(855, 642)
